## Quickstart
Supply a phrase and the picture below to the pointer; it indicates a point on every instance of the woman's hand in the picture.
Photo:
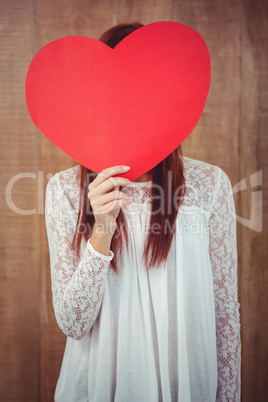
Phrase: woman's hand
(106, 199)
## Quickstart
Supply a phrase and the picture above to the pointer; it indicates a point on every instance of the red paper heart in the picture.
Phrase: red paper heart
(131, 105)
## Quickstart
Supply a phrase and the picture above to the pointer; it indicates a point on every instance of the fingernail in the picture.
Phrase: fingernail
(125, 167)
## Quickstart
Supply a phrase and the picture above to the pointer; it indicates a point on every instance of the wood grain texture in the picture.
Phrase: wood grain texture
(253, 158)
(231, 133)
(20, 247)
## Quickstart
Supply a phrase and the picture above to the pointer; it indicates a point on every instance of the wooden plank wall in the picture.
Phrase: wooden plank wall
(231, 134)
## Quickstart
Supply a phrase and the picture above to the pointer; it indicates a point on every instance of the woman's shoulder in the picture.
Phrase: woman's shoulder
(196, 169)
(67, 176)
(202, 180)
(67, 185)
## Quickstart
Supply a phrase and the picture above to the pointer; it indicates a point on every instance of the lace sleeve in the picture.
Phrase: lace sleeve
(223, 255)
(77, 283)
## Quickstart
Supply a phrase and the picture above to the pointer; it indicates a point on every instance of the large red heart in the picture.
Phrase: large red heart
(131, 105)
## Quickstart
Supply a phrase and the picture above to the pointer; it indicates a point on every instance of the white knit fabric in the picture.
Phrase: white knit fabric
(170, 334)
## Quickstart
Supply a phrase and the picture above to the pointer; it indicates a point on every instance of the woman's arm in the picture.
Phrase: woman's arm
(77, 284)
(223, 255)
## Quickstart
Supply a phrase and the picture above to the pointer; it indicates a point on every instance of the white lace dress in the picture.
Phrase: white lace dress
(170, 334)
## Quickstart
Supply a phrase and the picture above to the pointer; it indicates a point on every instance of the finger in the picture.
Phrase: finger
(104, 209)
(108, 185)
(110, 196)
(108, 172)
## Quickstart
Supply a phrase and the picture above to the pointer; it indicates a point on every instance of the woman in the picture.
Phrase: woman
(145, 289)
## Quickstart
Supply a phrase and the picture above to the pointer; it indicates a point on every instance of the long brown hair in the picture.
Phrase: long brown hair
(158, 244)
